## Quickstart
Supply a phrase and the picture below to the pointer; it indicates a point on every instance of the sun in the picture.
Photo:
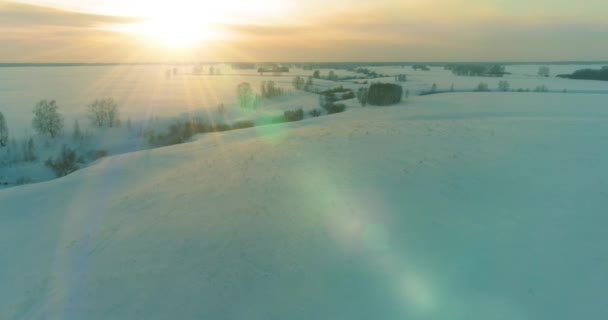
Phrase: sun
(179, 29)
(193, 23)
(174, 32)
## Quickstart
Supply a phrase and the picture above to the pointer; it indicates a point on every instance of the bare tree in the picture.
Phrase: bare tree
(104, 113)
(543, 71)
(503, 85)
(47, 120)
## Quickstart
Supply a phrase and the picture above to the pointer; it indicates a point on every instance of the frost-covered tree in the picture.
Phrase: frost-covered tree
(544, 71)
(104, 113)
(47, 121)
(247, 98)
(362, 96)
(316, 74)
(3, 131)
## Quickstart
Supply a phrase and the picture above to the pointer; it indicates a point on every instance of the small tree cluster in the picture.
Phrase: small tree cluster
(104, 113)
(47, 121)
(481, 70)
(269, 90)
(384, 94)
(335, 108)
(541, 88)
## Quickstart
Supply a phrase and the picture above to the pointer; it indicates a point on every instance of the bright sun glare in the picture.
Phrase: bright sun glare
(175, 28)
(187, 23)
(174, 32)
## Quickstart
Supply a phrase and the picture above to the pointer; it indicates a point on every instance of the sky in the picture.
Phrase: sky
(310, 30)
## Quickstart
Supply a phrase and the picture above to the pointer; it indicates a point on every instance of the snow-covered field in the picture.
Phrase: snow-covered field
(449, 206)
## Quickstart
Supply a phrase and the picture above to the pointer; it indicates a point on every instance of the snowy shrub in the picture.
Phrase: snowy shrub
(294, 115)
(23, 180)
(348, 95)
(384, 94)
(104, 113)
(482, 87)
(541, 88)
(243, 124)
(246, 97)
(326, 99)
(335, 108)
(315, 113)
(3, 131)
(401, 78)
(65, 163)
(97, 154)
(47, 121)
(362, 95)
(543, 71)
(504, 85)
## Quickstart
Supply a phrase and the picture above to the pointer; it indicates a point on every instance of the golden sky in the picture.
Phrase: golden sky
(311, 30)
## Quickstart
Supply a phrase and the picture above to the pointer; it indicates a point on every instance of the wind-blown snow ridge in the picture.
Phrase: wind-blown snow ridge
(485, 206)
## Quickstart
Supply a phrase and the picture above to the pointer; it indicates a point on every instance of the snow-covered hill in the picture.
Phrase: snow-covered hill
(456, 206)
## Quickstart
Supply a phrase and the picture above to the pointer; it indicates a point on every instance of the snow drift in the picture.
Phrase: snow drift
(459, 206)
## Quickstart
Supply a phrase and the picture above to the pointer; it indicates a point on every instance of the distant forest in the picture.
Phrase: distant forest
(588, 74)
(305, 65)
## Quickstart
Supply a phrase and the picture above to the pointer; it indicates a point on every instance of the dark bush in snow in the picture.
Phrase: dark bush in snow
(335, 108)
(65, 163)
(243, 124)
(482, 87)
(294, 115)
(315, 113)
(348, 95)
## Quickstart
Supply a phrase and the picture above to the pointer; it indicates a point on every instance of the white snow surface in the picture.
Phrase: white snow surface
(452, 206)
